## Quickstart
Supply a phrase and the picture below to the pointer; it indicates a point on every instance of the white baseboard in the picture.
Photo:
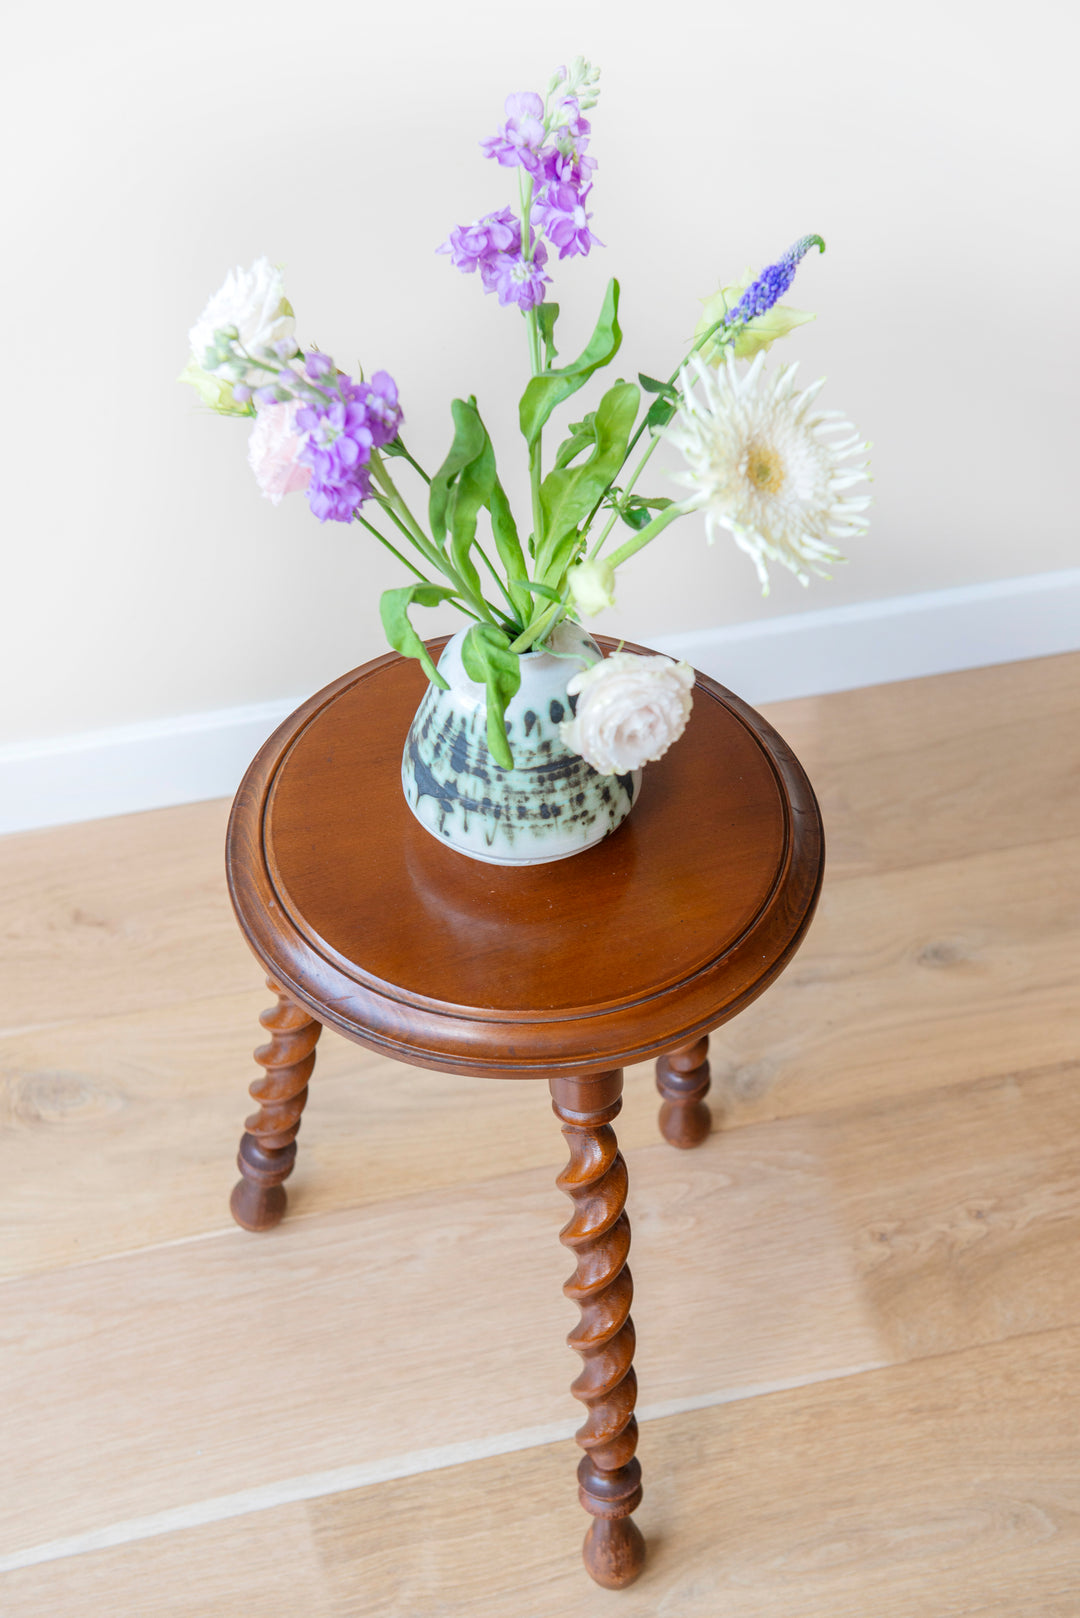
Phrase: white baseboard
(196, 756)
(902, 638)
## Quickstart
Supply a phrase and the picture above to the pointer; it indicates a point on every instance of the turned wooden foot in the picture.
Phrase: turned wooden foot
(682, 1078)
(598, 1234)
(268, 1146)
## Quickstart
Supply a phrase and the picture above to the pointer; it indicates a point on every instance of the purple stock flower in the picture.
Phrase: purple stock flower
(521, 137)
(474, 246)
(567, 168)
(560, 213)
(339, 433)
(380, 397)
(772, 283)
(569, 128)
(517, 279)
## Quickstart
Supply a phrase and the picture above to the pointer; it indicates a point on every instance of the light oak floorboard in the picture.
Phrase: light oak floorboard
(266, 1566)
(807, 1247)
(121, 1132)
(928, 770)
(117, 915)
(938, 1490)
(946, 1489)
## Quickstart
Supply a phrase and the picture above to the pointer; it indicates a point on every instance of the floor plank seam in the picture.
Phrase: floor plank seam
(318, 1485)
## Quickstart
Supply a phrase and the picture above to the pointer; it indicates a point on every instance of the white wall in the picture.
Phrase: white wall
(930, 143)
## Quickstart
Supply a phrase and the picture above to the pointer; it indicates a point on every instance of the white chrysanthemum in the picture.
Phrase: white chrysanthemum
(768, 467)
(251, 302)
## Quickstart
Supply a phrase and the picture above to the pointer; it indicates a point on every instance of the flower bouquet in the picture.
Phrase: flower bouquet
(528, 735)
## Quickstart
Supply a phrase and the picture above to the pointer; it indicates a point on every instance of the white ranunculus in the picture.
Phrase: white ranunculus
(253, 303)
(629, 711)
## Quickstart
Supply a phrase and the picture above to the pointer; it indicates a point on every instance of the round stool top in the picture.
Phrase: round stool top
(636, 946)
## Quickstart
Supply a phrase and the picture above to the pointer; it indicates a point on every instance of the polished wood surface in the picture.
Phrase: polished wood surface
(858, 1306)
(683, 1078)
(267, 1153)
(598, 1235)
(410, 948)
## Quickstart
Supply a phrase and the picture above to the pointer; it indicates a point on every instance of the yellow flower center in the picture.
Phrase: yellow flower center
(764, 468)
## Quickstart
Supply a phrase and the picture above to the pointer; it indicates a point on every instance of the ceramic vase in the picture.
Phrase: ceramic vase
(551, 804)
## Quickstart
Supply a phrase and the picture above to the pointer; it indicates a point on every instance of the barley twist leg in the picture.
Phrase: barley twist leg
(682, 1078)
(598, 1234)
(268, 1146)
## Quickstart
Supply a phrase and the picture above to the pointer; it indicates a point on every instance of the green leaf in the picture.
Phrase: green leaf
(544, 392)
(568, 494)
(544, 590)
(582, 437)
(508, 546)
(487, 658)
(546, 316)
(634, 511)
(651, 385)
(472, 490)
(394, 611)
(660, 413)
(469, 440)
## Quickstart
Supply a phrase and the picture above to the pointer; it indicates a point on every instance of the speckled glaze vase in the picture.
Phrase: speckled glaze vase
(551, 804)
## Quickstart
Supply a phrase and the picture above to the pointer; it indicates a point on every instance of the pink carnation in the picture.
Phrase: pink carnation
(272, 452)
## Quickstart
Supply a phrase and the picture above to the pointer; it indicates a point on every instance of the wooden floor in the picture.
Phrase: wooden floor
(858, 1304)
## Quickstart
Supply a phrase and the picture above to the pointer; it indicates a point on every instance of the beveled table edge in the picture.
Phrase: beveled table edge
(461, 1039)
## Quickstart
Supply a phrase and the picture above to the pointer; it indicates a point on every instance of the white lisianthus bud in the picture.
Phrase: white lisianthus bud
(214, 391)
(251, 308)
(628, 712)
(592, 586)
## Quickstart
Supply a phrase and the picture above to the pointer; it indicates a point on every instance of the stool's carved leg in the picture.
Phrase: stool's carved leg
(268, 1147)
(682, 1078)
(598, 1233)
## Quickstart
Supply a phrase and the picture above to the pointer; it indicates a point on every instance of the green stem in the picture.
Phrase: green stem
(671, 381)
(393, 549)
(538, 628)
(525, 193)
(415, 464)
(629, 488)
(514, 622)
(399, 511)
(637, 542)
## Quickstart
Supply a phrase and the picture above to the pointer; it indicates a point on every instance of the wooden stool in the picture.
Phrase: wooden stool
(564, 972)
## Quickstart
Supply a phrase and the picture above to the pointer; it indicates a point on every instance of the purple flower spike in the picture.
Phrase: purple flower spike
(772, 283)
(567, 168)
(520, 280)
(338, 436)
(473, 246)
(569, 128)
(560, 213)
(519, 140)
(317, 365)
(383, 410)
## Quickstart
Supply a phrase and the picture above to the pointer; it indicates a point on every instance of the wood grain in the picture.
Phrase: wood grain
(936, 1489)
(908, 982)
(119, 915)
(758, 1259)
(926, 770)
(895, 1183)
(264, 1567)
